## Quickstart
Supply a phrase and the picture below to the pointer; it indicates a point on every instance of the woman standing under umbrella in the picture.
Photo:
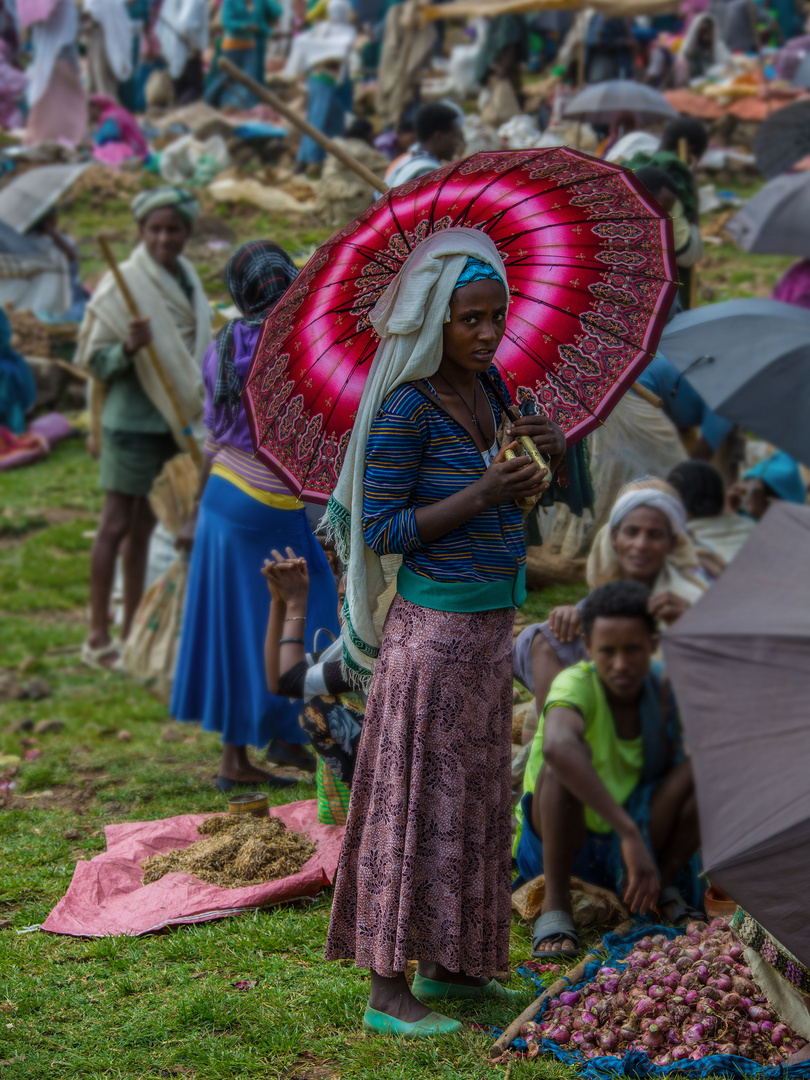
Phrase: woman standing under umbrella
(244, 513)
(425, 866)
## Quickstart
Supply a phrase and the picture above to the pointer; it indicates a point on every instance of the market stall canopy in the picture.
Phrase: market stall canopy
(750, 362)
(474, 9)
(739, 661)
(32, 194)
(601, 102)
(775, 221)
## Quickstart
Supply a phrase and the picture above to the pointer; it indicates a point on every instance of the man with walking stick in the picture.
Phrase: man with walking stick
(143, 338)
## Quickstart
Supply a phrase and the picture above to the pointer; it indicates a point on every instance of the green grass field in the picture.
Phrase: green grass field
(165, 1005)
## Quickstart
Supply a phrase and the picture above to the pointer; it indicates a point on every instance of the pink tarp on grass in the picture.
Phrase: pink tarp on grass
(106, 895)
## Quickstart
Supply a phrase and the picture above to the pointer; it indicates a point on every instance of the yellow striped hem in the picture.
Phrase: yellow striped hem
(269, 498)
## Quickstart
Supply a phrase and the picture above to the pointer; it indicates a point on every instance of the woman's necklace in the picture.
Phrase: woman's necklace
(472, 411)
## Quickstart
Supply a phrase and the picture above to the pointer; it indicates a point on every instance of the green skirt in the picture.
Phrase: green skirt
(131, 461)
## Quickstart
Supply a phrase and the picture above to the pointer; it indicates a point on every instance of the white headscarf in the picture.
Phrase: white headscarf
(409, 318)
(670, 505)
(680, 573)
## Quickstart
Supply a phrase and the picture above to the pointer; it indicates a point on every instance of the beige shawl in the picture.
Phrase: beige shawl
(181, 332)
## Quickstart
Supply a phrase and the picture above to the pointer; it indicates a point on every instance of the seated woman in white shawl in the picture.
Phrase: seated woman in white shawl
(139, 430)
(645, 540)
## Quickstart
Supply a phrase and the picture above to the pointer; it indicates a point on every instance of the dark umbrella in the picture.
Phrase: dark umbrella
(783, 139)
(802, 77)
(750, 362)
(776, 221)
(602, 101)
(740, 667)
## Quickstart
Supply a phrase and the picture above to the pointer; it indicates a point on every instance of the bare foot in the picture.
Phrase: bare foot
(800, 1055)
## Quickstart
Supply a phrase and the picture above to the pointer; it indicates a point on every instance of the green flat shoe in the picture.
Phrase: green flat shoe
(432, 988)
(432, 1024)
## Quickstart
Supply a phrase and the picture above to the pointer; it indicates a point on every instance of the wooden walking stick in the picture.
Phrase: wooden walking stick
(154, 359)
(567, 980)
(283, 109)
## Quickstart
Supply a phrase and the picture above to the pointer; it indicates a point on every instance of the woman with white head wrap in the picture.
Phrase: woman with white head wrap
(425, 517)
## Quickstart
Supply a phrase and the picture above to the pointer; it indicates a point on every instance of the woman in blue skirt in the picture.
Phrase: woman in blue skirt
(244, 512)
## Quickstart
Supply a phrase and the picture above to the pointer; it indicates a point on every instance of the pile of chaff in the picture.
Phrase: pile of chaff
(238, 850)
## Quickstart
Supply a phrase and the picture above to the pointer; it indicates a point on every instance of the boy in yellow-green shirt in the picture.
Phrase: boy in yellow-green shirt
(608, 794)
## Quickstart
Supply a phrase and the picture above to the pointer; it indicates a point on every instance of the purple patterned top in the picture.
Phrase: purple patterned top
(233, 451)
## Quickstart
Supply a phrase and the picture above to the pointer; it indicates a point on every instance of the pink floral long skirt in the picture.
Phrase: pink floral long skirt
(425, 868)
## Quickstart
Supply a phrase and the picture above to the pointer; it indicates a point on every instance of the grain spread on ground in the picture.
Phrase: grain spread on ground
(237, 850)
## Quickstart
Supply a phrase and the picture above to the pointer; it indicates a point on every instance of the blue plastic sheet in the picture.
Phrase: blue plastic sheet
(637, 1064)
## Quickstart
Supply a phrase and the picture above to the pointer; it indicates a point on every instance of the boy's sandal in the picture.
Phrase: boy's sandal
(682, 912)
(555, 927)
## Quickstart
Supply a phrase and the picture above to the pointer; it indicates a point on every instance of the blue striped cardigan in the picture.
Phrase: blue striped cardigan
(417, 455)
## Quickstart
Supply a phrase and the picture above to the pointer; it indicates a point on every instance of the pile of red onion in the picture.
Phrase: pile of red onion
(675, 1000)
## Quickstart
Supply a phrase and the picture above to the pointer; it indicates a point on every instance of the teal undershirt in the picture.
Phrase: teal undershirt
(462, 595)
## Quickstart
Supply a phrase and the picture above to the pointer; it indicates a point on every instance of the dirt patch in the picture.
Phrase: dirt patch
(61, 797)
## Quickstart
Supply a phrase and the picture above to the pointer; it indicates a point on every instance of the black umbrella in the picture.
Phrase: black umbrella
(783, 139)
(750, 362)
(776, 221)
(740, 667)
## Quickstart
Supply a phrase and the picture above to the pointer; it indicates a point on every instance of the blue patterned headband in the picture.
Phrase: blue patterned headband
(475, 270)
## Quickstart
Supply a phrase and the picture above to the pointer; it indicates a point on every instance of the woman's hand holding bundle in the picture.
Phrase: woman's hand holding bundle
(511, 481)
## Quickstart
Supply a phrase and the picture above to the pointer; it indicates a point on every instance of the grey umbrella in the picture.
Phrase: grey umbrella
(602, 101)
(750, 362)
(30, 196)
(740, 667)
(776, 221)
(782, 139)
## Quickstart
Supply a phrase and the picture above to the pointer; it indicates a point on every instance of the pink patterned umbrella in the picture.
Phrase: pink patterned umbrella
(591, 270)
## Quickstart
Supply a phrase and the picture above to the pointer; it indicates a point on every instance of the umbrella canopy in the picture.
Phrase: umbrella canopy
(750, 362)
(783, 139)
(740, 667)
(591, 270)
(30, 196)
(602, 101)
(776, 221)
